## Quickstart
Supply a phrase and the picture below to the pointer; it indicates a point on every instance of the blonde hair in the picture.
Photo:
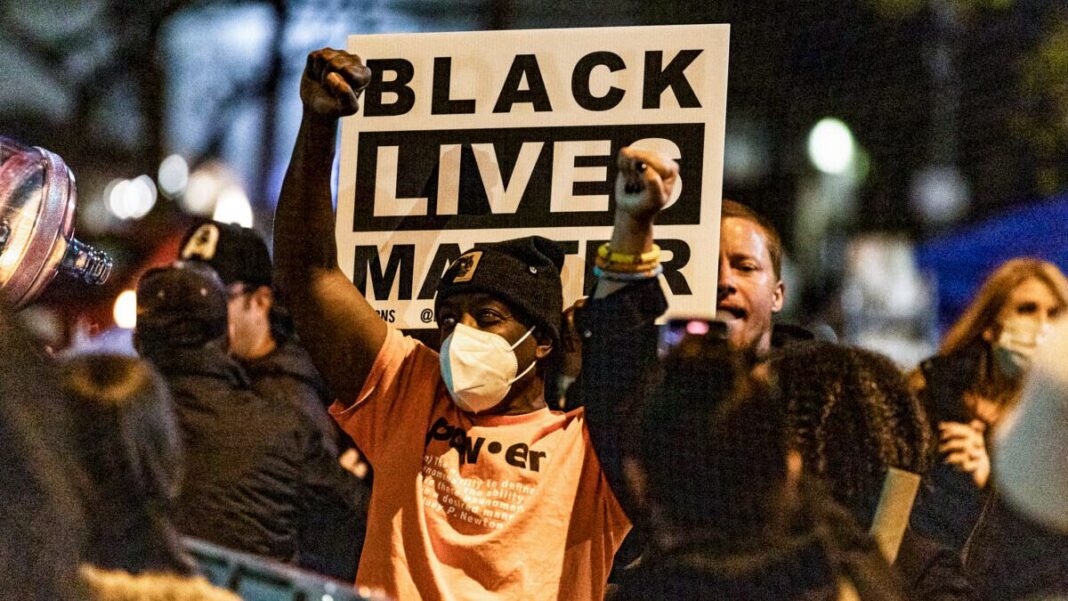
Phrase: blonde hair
(994, 293)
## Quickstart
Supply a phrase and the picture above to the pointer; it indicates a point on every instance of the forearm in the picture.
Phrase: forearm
(337, 325)
(304, 220)
(619, 367)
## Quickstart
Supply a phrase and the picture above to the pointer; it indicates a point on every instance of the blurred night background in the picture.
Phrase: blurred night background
(941, 147)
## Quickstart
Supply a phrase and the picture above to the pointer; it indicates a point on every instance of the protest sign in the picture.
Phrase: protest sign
(476, 137)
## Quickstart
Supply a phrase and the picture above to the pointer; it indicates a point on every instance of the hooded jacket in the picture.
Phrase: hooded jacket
(255, 468)
(335, 530)
(287, 373)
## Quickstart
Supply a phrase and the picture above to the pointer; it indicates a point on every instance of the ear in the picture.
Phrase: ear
(779, 296)
(544, 348)
(263, 298)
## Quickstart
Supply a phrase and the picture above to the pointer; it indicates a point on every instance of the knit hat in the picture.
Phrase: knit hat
(183, 304)
(524, 272)
(237, 253)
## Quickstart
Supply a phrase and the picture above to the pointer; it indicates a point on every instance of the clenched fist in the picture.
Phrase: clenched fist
(332, 82)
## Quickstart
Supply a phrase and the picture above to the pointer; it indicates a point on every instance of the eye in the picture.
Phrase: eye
(1055, 312)
(747, 267)
(1027, 308)
(487, 317)
(446, 321)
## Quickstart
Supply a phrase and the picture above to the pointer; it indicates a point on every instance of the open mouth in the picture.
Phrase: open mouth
(728, 313)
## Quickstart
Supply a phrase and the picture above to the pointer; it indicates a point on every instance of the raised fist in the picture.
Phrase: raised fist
(644, 183)
(332, 82)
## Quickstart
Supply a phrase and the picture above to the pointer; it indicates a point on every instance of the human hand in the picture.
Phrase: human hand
(644, 184)
(964, 447)
(332, 82)
(354, 463)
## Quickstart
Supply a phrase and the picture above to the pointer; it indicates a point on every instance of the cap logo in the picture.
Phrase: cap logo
(203, 243)
(466, 266)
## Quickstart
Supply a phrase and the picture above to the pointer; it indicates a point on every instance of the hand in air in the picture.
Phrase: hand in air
(332, 82)
(644, 183)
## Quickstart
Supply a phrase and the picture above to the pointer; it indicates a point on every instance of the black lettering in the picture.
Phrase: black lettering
(441, 430)
(516, 455)
(401, 259)
(372, 94)
(680, 256)
(580, 81)
(535, 458)
(440, 103)
(469, 452)
(445, 255)
(659, 78)
(524, 64)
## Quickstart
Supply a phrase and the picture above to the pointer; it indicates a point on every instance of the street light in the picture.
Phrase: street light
(831, 147)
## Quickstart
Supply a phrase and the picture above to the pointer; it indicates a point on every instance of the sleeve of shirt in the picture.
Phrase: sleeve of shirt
(398, 390)
(619, 364)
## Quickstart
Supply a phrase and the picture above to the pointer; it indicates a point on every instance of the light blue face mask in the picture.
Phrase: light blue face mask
(1016, 344)
(479, 367)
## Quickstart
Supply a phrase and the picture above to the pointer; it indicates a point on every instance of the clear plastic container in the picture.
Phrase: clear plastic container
(37, 200)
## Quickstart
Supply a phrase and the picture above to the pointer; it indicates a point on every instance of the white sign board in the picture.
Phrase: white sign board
(476, 137)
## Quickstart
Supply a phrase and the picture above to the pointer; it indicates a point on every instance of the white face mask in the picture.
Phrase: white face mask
(479, 367)
(1019, 338)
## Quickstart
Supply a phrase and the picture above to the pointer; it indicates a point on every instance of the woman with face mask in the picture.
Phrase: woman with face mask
(975, 377)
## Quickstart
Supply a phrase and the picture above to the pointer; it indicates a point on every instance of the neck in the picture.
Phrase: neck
(526, 396)
(265, 346)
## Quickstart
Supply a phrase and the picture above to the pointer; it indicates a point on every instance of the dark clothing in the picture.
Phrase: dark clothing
(949, 502)
(254, 467)
(809, 565)
(334, 533)
(931, 572)
(1011, 557)
(620, 368)
(288, 374)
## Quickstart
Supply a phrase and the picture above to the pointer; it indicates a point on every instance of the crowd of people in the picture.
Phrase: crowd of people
(735, 459)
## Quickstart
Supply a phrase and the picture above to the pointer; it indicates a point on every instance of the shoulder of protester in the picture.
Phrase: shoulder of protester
(287, 360)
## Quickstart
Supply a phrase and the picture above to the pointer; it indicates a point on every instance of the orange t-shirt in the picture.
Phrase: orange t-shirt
(476, 507)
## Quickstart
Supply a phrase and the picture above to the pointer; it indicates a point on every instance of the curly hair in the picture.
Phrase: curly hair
(851, 415)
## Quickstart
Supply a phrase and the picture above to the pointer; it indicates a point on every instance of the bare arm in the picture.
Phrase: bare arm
(642, 189)
(337, 325)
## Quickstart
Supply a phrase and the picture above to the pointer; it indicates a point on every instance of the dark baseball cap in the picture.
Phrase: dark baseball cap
(237, 254)
(183, 304)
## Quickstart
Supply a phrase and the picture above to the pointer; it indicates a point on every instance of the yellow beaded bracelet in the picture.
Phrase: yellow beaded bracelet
(607, 265)
(650, 257)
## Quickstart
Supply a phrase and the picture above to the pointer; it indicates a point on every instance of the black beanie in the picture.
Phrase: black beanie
(237, 254)
(524, 272)
(181, 305)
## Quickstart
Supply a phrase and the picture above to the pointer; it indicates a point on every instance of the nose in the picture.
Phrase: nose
(468, 320)
(725, 284)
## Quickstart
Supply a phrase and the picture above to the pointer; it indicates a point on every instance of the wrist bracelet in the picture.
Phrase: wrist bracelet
(618, 276)
(651, 256)
(625, 267)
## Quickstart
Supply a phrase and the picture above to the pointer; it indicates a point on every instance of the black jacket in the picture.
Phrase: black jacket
(254, 467)
(334, 533)
(1011, 557)
(288, 374)
(949, 502)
